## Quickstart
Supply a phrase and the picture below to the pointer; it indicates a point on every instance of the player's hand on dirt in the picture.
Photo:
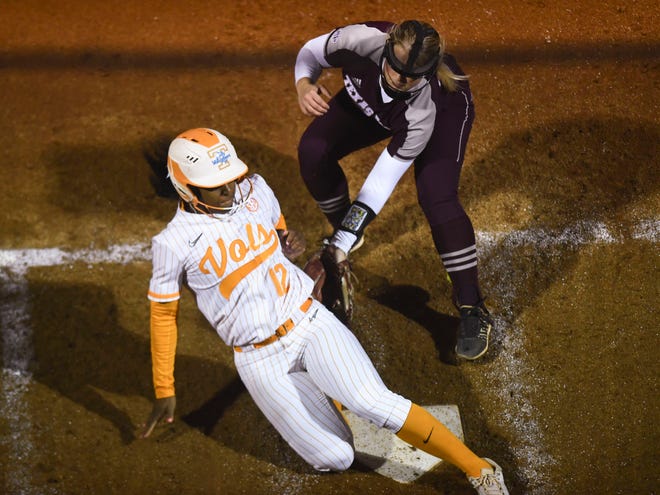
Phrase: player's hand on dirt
(293, 243)
(310, 97)
(163, 409)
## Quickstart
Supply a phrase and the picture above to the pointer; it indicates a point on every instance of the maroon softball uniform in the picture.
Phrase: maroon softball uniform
(431, 128)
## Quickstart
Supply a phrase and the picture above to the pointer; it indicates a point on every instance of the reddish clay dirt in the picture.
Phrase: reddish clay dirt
(560, 181)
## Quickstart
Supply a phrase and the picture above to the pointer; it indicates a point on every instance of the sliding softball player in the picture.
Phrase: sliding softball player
(228, 240)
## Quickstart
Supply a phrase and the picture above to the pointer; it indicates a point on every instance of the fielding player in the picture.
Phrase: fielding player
(399, 85)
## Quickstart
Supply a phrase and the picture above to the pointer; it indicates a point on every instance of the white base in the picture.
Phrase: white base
(388, 455)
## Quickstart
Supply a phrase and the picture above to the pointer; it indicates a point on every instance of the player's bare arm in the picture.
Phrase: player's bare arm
(293, 243)
(311, 97)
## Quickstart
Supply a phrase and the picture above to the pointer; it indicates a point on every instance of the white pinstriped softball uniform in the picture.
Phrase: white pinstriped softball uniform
(246, 288)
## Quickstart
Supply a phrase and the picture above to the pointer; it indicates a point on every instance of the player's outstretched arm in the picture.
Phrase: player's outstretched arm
(163, 409)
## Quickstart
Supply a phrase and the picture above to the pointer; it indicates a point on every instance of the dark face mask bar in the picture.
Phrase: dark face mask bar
(408, 69)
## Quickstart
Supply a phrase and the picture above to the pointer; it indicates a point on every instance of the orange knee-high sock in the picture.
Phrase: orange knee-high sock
(425, 432)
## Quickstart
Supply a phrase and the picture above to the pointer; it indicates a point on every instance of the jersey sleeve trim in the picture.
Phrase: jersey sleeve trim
(327, 40)
(163, 297)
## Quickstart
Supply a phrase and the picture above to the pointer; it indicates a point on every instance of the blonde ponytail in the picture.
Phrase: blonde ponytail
(448, 78)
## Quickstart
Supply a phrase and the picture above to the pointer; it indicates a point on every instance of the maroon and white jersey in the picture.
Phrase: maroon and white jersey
(430, 127)
(358, 50)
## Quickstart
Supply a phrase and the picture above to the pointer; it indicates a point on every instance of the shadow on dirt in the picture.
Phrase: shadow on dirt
(81, 352)
(129, 179)
(157, 61)
(563, 176)
(561, 172)
(568, 171)
(412, 303)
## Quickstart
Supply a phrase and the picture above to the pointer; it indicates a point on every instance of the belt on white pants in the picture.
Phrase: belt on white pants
(280, 331)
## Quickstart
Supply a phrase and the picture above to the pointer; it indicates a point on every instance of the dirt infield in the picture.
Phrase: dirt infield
(560, 180)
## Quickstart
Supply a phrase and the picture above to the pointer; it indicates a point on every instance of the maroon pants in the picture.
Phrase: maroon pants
(345, 129)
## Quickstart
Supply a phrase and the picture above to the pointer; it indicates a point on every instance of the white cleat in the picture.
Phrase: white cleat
(491, 481)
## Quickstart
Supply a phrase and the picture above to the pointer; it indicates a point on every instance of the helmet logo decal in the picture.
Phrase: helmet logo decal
(219, 156)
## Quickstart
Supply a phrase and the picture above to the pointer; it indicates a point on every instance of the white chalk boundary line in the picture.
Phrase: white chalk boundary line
(520, 382)
(522, 416)
(17, 351)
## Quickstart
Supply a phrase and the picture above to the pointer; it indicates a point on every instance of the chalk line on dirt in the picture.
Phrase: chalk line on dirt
(15, 380)
(17, 351)
(522, 416)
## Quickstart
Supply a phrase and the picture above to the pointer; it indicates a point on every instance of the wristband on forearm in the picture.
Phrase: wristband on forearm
(359, 215)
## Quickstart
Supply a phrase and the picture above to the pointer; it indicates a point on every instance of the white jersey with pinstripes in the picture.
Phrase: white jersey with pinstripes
(234, 265)
(246, 288)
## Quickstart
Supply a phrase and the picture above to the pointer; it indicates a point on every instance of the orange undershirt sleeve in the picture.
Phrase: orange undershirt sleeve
(281, 223)
(163, 346)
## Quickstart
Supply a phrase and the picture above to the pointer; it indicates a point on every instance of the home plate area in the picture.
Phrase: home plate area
(381, 450)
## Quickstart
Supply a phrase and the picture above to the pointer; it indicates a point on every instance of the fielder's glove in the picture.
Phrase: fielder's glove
(333, 284)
